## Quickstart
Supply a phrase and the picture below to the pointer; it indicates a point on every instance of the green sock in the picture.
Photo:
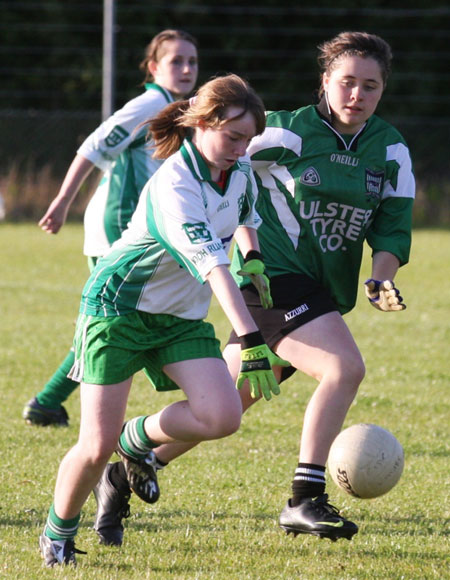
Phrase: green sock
(59, 387)
(133, 439)
(59, 529)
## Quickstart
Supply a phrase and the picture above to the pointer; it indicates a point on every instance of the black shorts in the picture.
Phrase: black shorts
(297, 299)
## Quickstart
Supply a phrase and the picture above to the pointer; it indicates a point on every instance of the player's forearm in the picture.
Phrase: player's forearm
(247, 239)
(384, 266)
(78, 171)
(230, 299)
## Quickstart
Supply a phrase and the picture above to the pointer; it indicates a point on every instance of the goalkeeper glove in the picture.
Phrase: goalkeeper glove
(254, 268)
(383, 295)
(256, 366)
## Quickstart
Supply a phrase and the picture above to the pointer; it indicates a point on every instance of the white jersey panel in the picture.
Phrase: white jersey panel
(276, 137)
(119, 148)
(118, 132)
(96, 242)
(182, 228)
(406, 184)
(170, 289)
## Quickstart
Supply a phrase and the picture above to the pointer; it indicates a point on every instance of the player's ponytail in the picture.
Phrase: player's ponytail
(166, 131)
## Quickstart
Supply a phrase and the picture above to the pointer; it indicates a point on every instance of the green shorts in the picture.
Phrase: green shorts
(110, 350)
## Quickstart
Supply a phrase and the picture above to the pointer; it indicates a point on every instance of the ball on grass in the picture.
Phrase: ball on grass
(365, 460)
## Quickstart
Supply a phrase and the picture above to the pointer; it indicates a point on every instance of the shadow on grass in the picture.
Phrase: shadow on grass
(414, 526)
(172, 520)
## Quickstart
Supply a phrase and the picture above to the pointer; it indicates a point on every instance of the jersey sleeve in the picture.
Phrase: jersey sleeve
(248, 216)
(276, 142)
(117, 133)
(177, 219)
(390, 230)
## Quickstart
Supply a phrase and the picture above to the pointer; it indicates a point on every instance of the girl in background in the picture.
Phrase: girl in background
(121, 151)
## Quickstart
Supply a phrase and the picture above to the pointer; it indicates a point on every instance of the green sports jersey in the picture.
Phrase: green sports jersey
(182, 228)
(321, 194)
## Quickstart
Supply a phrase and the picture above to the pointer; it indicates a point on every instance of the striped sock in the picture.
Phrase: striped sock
(58, 529)
(133, 439)
(309, 481)
(159, 464)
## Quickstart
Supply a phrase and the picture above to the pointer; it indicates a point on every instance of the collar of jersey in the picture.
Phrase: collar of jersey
(162, 90)
(198, 166)
(349, 142)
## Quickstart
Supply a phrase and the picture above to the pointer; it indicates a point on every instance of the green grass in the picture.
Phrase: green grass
(217, 515)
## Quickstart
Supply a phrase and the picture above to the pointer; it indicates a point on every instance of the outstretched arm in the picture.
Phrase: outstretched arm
(257, 359)
(56, 214)
(247, 239)
(231, 300)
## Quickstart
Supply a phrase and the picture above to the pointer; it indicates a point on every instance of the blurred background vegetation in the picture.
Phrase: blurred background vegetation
(51, 68)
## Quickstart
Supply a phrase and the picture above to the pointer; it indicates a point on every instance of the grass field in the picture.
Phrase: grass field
(217, 515)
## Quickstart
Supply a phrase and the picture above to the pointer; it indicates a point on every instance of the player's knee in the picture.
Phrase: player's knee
(99, 452)
(354, 371)
(228, 427)
(225, 423)
(346, 371)
(358, 369)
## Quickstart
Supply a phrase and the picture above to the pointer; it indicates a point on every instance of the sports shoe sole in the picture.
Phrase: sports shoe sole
(142, 478)
(331, 535)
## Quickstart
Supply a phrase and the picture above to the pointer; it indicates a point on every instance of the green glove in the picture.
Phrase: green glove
(254, 269)
(256, 367)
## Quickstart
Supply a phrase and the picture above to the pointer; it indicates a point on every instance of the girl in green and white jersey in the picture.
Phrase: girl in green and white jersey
(330, 177)
(144, 304)
(118, 147)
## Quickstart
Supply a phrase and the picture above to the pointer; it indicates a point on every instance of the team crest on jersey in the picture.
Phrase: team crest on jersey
(197, 233)
(310, 177)
(116, 136)
(374, 183)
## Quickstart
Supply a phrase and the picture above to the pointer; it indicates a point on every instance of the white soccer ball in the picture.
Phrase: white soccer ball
(365, 460)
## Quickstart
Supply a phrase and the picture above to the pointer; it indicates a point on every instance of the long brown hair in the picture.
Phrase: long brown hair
(178, 120)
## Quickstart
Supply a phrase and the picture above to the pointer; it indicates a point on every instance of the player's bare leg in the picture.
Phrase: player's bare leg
(325, 350)
(113, 492)
(103, 410)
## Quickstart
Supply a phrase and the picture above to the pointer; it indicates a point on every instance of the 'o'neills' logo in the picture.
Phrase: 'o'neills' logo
(344, 159)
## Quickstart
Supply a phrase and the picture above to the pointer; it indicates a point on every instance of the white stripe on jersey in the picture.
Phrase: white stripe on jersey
(285, 215)
(406, 184)
(276, 137)
(193, 159)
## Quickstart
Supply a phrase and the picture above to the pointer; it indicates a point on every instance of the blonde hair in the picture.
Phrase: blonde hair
(354, 44)
(178, 120)
(155, 50)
